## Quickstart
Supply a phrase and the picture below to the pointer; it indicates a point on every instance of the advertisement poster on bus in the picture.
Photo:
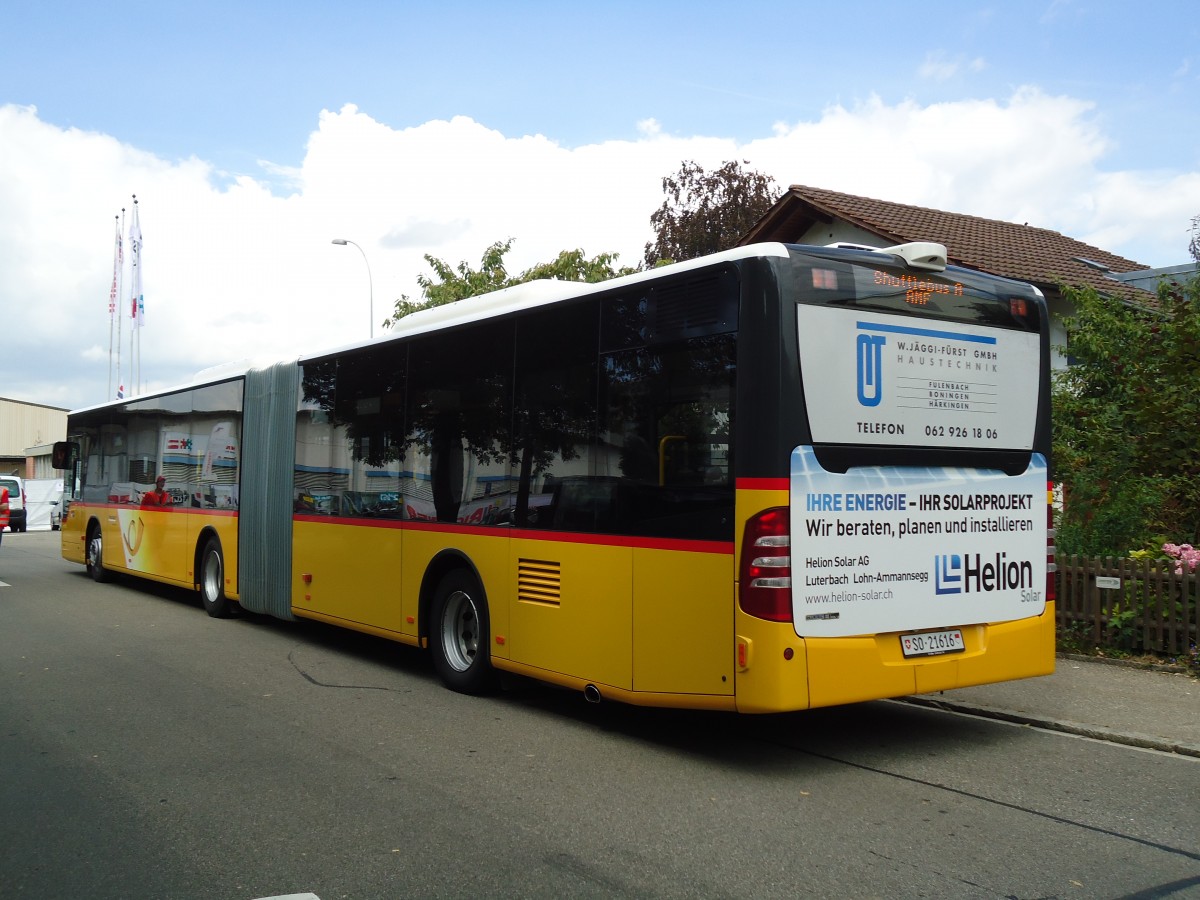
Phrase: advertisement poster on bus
(874, 378)
(150, 541)
(893, 549)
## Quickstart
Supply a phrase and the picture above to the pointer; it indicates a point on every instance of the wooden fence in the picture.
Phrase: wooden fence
(1135, 605)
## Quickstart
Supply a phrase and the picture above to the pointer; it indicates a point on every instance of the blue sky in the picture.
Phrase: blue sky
(235, 83)
(439, 128)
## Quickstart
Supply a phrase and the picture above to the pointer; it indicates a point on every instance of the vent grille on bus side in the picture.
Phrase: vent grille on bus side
(539, 581)
(682, 308)
(694, 307)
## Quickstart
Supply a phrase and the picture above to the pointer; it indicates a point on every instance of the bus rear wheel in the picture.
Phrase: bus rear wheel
(212, 581)
(460, 635)
(94, 555)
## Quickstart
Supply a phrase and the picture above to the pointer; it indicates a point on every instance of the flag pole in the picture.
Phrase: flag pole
(120, 287)
(112, 302)
(136, 388)
(135, 276)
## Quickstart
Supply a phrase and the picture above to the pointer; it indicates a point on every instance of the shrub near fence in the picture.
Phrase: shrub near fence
(1137, 605)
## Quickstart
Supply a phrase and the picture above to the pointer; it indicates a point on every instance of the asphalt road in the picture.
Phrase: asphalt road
(149, 751)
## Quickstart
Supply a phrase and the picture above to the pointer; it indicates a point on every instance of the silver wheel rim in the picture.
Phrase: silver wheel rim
(460, 631)
(94, 552)
(212, 577)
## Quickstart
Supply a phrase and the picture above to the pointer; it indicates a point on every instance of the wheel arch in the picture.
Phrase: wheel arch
(93, 525)
(93, 529)
(442, 564)
(206, 534)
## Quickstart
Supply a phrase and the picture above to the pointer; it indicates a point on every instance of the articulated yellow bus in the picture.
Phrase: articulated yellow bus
(770, 479)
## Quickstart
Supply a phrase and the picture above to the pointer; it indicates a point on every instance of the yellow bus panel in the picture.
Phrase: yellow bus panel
(72, 533)
(348, 572)
(683, 622)
(158, 544)
(771, 666)
(573, 609)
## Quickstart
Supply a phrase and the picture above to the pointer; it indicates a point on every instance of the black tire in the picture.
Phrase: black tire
(460, 635)
(211, 580)
(94, 556)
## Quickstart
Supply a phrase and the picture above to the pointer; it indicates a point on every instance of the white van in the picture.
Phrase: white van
(16, 502)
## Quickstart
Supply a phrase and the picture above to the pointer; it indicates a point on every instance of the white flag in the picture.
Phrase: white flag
(137, 309)
(117, 260)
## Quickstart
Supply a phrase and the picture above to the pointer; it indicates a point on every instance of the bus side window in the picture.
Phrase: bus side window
(668, 414)
(553, 453)
(459, 422)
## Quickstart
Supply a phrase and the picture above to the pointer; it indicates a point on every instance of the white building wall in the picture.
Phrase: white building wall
(24, 426)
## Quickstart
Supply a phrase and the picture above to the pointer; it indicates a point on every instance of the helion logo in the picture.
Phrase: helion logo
(870, 369)
(970, 574)
(947, 574)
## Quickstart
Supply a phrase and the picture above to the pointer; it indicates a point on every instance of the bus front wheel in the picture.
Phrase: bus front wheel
(94, 555)
(212, 581)
(459, 635)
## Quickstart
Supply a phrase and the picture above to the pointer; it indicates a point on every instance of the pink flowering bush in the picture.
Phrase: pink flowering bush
(1187, 557)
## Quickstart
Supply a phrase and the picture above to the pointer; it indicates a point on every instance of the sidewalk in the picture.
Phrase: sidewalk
(1094, 698)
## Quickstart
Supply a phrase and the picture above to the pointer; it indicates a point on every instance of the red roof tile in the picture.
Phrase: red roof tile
(1037, 255)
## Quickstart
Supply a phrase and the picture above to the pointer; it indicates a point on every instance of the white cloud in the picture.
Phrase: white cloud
(240, 268)
(1127, 206)
(1059, 10)
(1025, 160)
(938, 66)
(424, 234)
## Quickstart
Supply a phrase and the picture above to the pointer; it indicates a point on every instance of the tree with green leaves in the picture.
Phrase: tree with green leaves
(451, 283)
(707, 211)
(1125, 415)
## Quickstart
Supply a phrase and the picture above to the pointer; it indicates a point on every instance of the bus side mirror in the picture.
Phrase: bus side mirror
(64, 454)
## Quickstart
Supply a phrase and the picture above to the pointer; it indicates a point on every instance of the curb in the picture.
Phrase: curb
(1108, 735)
(1169, 668)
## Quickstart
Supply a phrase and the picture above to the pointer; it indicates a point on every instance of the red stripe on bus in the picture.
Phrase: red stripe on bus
(348, 520)
(763, 484)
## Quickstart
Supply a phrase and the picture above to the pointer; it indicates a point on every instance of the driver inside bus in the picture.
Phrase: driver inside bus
(158, 496)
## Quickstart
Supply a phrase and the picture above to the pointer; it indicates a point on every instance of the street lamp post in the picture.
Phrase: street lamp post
(342, 242)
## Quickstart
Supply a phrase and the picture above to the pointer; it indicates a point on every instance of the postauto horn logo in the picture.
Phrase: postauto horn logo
(969, 573)
(870, 368)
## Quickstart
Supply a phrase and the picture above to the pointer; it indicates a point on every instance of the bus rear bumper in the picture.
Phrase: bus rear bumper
(835, 671)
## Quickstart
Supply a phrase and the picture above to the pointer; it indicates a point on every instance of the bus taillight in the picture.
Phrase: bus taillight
(766, 566)
(1051, 549)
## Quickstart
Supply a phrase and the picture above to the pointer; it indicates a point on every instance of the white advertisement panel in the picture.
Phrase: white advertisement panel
(875, 378)
(884, 549)
(42, 496)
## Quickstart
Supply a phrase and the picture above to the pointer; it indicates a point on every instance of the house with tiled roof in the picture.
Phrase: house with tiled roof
(1045, 258)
